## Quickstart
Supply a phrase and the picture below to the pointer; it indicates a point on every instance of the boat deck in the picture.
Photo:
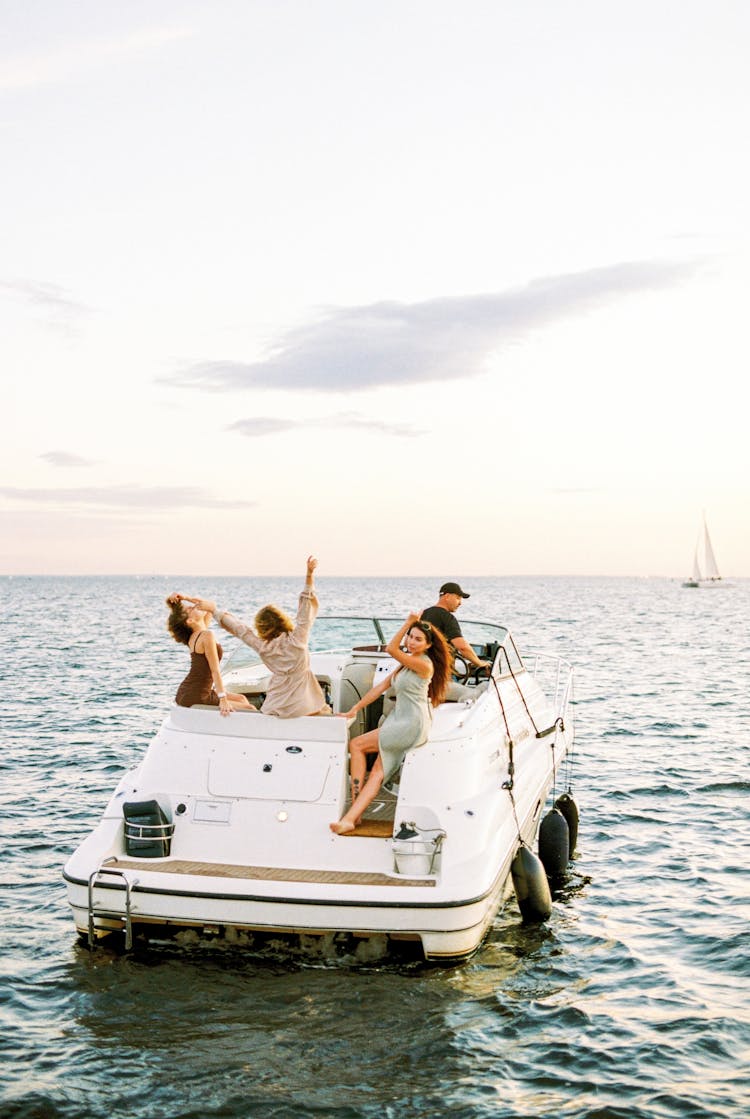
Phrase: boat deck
(264, 873)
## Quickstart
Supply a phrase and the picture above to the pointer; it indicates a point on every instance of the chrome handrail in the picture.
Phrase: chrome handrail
(129, 884)
(148, 831)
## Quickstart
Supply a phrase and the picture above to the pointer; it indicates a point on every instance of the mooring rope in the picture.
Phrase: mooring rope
(511, 765)
(557, 727)
(509, 789)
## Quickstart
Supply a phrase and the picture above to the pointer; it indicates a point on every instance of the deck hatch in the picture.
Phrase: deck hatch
(269, 771)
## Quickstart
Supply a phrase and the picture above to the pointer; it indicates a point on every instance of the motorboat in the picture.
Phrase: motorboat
(222, 829)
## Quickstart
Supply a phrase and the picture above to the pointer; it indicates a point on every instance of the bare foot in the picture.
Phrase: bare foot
(342, 827)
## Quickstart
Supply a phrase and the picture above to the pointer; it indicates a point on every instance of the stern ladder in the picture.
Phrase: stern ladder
(95, 912)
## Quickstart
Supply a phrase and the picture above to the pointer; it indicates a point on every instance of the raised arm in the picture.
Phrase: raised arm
(205, 604)
(312, 563)
(307, 608)
(416, 664)
(226, 620)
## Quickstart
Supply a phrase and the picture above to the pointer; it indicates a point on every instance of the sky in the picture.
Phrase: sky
(421, 287)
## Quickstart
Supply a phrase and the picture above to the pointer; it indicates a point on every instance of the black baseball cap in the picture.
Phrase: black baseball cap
(453, 588)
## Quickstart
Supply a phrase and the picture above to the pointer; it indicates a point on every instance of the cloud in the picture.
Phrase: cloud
(154, 498)
(351, 419)
(44, 67)
(65, 458)
(259, 426)
(44, 296)
(444, 339)
(263, 425)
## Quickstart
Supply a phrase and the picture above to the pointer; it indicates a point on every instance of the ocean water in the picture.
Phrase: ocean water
(630, 1003)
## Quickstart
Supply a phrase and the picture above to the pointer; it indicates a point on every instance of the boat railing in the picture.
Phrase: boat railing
(148, 831)
(555, 675)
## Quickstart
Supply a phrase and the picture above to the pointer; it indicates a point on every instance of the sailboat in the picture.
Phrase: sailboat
(712, 577)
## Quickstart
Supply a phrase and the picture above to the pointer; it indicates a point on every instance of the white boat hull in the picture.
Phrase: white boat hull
(249, 800)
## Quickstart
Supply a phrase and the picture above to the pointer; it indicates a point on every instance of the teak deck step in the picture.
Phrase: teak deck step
(266, 873)
(372, 829)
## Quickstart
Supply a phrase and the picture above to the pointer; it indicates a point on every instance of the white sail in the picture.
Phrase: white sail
(712, 570)
(711, 578)
(696, 576)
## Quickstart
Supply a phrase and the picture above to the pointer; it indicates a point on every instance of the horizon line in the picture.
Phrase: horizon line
(374, 575)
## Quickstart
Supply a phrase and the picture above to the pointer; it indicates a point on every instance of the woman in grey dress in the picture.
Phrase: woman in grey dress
(420, 683)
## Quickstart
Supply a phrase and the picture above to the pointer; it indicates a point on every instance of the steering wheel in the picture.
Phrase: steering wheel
(461, 668)
(464, 670)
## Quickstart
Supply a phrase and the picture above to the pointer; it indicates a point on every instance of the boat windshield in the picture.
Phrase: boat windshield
(340, 634)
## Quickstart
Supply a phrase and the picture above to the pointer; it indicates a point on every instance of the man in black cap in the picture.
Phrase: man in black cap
(441, 616)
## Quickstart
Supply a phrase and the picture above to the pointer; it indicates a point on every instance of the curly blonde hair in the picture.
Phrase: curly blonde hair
(271, 622)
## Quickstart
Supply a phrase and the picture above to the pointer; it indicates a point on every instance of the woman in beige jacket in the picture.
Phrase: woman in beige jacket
(282, 646)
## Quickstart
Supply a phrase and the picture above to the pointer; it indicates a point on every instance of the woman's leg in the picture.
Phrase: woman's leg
(349, 821)
(239, 702)
(359, 748)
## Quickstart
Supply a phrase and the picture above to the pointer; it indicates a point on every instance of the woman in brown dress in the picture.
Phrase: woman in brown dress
(188, 624)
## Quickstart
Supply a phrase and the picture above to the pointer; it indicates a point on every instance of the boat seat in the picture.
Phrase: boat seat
(356, 681)
(254, 687)
(326, 685)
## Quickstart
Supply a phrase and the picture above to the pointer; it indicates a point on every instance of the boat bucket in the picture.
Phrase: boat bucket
(415, 852)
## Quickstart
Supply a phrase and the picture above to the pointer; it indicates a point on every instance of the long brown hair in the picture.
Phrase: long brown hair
(442, 662)
(177, 622)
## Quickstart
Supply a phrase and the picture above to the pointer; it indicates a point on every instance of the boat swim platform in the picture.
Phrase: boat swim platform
(264, 873)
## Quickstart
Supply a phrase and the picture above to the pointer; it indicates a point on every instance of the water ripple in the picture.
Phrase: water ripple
(630, 1003)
